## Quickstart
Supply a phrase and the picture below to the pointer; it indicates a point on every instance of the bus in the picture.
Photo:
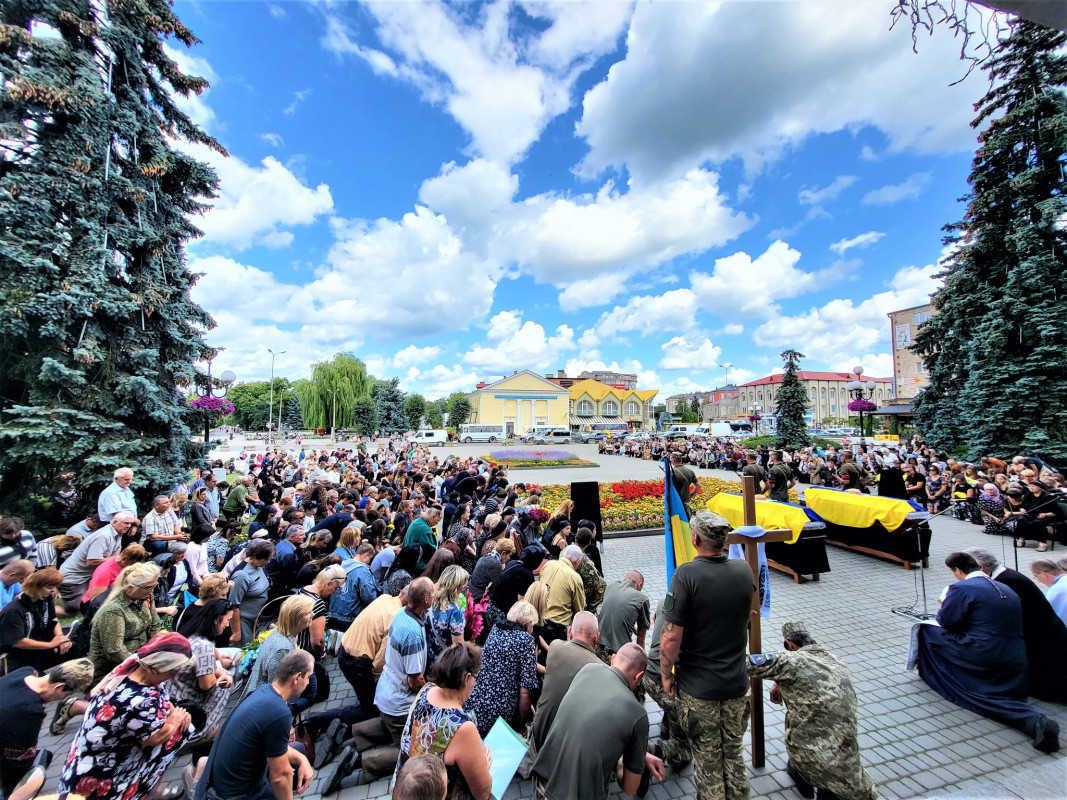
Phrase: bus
(481, 433)
(612, 429)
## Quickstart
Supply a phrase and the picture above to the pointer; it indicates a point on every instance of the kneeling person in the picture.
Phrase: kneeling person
(820, 716)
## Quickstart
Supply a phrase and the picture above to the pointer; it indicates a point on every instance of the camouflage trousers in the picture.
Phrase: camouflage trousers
(716, 728)
(605, 655)
(674, 738)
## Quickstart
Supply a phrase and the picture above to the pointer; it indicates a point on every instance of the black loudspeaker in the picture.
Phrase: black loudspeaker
(586, 497)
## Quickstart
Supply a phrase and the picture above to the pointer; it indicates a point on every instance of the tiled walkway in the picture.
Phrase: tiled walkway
(914, 743)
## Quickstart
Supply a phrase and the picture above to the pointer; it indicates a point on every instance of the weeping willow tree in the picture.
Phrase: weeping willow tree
(334, 388)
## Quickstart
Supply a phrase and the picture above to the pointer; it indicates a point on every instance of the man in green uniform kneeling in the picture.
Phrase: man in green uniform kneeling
(820, 716)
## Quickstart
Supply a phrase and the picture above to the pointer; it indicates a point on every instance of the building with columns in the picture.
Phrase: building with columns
(519, 402)
(827, 396)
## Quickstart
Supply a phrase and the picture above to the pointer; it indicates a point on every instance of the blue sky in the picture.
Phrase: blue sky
(456, 191)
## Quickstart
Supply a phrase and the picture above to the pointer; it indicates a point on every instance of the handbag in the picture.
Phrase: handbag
(300, 733)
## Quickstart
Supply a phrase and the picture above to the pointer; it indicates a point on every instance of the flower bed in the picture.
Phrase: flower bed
(514, 457)
(632, 505)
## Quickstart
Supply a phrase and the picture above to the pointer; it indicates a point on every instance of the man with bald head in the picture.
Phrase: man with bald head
(94, 550)
(12, 575)
(600, 734)
(565, 659)
(624, 613)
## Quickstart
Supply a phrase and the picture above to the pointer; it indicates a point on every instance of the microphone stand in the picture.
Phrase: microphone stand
(909, 611)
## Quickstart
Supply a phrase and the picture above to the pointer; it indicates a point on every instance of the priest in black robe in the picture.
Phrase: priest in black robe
(1044, 633)
(975, 656)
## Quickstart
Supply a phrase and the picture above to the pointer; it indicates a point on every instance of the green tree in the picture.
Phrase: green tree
(996, 348)
(334, 385)
(435, 412)
(694, 406)
(251, 402)
(377, 386)
(293, 418)
(365, 416)
(97, 329)
(459, 409)
(791, 405)
(414, 409)
(392, 418)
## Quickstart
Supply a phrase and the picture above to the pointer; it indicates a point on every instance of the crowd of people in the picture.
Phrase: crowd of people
(451, 599)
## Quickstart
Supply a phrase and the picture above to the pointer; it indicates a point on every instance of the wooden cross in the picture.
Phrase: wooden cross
(748, 493)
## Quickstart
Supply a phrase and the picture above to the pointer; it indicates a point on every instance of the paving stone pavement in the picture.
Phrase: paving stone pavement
(915, 744)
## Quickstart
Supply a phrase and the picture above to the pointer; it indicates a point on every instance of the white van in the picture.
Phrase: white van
(437, 437)
(681, 431)
(481, 433)
(715, 429)
(546, 435)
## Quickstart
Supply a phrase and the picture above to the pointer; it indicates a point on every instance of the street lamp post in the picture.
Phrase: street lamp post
(754, 415)
(207, 386)
(861, 394)
(726, 367)
(270, 412)
(333, 416)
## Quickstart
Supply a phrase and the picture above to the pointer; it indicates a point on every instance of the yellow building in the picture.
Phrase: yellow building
(519, 402)
(592, 402)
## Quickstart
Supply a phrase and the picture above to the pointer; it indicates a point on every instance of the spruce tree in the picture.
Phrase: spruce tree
(293, 418)
(791, 405)
(97, 330)
(390, 406)
(996, 348)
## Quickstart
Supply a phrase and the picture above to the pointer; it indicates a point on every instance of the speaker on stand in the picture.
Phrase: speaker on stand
(586, 497)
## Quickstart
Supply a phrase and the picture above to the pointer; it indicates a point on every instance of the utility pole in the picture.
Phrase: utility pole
(270, 409)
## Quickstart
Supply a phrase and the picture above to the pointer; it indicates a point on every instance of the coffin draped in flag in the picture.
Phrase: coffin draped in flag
(677, 537)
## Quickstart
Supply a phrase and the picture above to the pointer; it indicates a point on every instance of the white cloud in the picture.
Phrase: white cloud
(742, 285)
(512, 343)
(470, 195)
(814, 197)
(594, 291)
(412, 355)
(277, 11)
(814, 213)
(863, 240)
(441, 381)
(195, 105)
(733, 329)
(671, 311)
(690, 91)
(894, 193)
(843, 333)
(298, 98)
(273, 139)
(501, 84)
(255, 202)
(690, 353)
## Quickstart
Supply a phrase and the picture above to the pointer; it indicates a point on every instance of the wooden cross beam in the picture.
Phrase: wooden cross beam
(755, 645)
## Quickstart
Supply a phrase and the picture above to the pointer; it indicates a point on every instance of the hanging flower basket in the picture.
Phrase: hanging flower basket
(865, 406)
(215, 406)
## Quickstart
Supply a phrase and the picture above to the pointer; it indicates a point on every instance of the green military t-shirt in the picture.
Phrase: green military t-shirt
(625, 610)
(598, 721)
(757, 472)
(782, 475)
(710, 599)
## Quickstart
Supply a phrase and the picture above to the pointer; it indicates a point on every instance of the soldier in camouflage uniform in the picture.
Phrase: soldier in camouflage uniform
(820, 716)
(673, 746)
(592, 583)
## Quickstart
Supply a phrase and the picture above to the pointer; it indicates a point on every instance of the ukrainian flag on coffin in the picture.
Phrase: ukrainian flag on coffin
(677, 536)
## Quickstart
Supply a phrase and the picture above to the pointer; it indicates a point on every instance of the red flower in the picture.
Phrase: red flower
(130, 793)
(87, 786)
(105, 787)
(106, 713)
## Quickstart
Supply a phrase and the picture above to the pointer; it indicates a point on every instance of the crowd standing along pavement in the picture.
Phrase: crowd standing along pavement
(915, 744)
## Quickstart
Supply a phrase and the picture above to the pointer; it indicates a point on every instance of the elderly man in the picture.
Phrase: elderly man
(237, 500)
(1044, 634)
(702, 657)
(975, 656)
(211, 483)
(12, 575)
(1049, 575)
(117, 496)
(626, 611)
(94, 550)
(286, 562)
(600, 734)
(820, 716)
(566, 594)
(161, 526)
(564, 660)
(377, 741)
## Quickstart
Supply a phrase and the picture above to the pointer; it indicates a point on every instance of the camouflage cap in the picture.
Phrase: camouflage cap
(796, 626)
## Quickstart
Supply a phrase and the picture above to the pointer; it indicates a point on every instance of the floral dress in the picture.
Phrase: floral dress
(445, 623)
(107, 759)
(429, 730)
(509, 664)
(994, 524)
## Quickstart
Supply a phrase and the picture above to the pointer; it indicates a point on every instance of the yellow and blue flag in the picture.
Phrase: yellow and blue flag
(677, 536)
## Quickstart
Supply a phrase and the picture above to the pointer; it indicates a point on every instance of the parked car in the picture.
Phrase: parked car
(591, 436)
(551, 435)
